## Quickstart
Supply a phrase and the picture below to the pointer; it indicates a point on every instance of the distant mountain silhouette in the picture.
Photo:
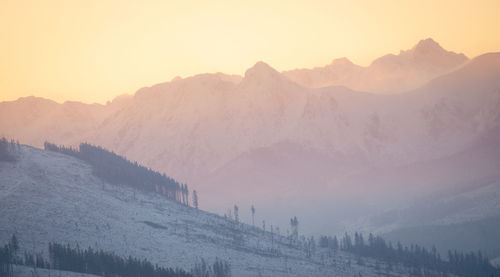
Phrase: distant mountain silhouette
(387, 74)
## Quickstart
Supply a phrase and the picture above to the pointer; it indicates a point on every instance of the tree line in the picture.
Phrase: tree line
(116, 169)
(416, 257)
(64, 257)
(98, 262)
(8, 150)
(7, 256)
(219, 268)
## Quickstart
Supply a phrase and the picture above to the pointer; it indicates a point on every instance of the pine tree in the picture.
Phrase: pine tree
(236, 218)
(195, 199)
(14, 243)
(294, 224)
(6, 150)
(335, 243)
(253, 215)
(272, 236)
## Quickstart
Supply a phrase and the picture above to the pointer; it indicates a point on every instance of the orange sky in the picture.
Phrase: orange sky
(91, 51)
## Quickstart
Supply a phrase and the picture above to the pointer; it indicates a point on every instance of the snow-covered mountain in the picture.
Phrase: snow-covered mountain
(387, 74)
(267, 140)
(267, 137)
(50, 197)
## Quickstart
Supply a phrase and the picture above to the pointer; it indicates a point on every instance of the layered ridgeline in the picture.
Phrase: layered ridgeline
(264, 139)
(65, 216)
(387, 74)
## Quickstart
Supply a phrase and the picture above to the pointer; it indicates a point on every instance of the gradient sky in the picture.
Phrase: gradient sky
(92, 51)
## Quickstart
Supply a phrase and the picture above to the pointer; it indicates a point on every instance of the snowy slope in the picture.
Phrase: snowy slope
(49, 197)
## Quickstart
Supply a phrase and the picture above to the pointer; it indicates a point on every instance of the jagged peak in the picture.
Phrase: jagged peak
(424, 50)
(176, 78)
(122, 98)
(341, 61)
(261, 69)
(426, 46)
(261, 76)
(428, 42)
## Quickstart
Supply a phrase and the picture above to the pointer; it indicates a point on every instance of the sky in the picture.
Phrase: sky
(93, 51)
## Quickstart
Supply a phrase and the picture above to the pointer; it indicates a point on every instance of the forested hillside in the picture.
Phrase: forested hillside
(116, 169)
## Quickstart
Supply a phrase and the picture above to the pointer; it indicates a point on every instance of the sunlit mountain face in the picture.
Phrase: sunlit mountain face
(264, 138)
(387, 166)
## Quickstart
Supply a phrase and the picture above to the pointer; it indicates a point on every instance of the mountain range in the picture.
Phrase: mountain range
(343, 140)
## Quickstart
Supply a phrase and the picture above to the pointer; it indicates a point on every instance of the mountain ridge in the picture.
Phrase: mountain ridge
(195, 127)
(387, 74)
